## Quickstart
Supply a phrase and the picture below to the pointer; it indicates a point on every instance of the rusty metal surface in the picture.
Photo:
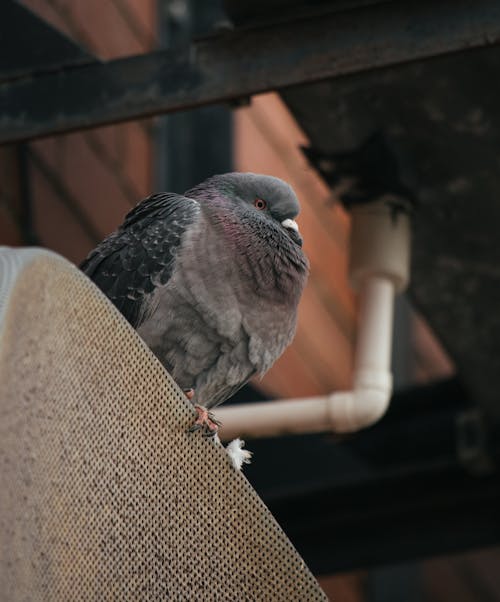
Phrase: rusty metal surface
(442, 118)
(243, 62)
(254, 12)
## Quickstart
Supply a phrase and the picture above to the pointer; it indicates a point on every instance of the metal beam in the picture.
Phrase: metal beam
(244, 62)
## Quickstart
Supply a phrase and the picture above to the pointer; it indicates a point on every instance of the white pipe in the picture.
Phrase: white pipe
(269, 419)
(379, 267)
(372, 386)
(299, 416)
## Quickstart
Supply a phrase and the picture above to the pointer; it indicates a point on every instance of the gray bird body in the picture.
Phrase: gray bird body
(210, 282)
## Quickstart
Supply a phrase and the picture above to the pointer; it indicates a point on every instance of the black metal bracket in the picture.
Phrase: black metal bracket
(472, 442)
(366, 174)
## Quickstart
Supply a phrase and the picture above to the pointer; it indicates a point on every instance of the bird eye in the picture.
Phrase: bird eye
(260, 204)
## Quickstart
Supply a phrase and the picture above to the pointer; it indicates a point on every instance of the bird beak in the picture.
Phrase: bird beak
(292, 228)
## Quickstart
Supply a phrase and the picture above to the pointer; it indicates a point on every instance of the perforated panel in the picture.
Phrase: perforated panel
(103, 494)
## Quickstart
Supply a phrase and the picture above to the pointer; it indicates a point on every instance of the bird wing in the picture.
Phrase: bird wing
(130, 263)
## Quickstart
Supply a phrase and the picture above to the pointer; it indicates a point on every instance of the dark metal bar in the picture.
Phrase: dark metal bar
(196, 143)
(244, 62)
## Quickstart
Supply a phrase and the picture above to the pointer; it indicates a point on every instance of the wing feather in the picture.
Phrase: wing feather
(130, 263)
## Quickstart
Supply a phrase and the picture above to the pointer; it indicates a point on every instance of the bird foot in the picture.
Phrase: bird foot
(205, 422)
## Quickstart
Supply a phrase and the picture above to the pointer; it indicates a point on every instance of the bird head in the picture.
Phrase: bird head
(263, 197)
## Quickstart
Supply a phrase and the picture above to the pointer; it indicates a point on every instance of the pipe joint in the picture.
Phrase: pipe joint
(350, 411)
(380, 244)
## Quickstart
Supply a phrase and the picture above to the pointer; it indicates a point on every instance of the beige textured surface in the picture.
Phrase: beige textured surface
(103, 494)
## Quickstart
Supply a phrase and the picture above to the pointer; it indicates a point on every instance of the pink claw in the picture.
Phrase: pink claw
(205, 421)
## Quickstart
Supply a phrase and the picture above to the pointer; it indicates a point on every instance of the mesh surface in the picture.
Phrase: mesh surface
(103, 494)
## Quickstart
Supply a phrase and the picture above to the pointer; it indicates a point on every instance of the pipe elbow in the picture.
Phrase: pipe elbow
(350, 411)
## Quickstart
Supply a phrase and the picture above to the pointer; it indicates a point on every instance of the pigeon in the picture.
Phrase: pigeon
(211, 281)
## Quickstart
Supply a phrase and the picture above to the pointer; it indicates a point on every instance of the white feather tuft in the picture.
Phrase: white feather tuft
(237, 454)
